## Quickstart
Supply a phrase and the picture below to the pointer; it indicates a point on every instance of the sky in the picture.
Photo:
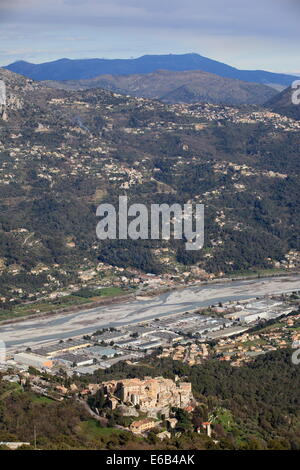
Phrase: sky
(254, 34)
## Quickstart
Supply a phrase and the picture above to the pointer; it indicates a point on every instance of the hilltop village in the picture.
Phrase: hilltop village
(155, 407)
(235, 332)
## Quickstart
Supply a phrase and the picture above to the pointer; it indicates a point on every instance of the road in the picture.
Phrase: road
(38, 331)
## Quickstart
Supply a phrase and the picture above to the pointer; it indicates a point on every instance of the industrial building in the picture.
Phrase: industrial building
(33, 360)
(76, 360)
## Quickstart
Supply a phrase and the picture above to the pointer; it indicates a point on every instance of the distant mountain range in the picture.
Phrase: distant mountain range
(67, 69)
(176, 87)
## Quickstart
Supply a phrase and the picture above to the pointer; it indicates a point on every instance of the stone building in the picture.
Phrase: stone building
(151, 393)
(142, 425)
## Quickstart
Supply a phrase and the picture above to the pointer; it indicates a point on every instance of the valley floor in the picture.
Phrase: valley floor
(34, 332)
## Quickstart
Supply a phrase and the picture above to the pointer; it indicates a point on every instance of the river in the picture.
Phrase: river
(34, 332)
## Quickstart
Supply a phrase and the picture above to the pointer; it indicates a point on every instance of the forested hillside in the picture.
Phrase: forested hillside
(62, 153)
(177, 87)
(252, 407)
